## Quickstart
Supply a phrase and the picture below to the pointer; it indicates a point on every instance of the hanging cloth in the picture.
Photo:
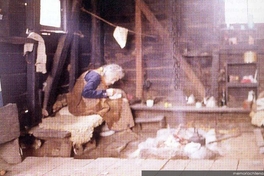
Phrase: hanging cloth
(41, 52)
(120, 35)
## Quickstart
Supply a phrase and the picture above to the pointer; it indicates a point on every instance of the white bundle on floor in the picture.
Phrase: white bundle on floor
(81, 127)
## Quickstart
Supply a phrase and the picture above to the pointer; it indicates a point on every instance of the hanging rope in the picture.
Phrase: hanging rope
(111, 24)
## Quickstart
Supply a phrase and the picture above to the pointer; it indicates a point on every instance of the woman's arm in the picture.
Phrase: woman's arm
(93, 79)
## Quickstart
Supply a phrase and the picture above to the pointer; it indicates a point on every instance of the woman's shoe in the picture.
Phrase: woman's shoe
(107, 133)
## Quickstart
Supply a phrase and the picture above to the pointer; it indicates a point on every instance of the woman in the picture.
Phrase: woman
(92, 95)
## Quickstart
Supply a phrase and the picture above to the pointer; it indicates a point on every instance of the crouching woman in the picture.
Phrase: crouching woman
(91, 95)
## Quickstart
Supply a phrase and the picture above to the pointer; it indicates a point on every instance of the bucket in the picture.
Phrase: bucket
(250, 57)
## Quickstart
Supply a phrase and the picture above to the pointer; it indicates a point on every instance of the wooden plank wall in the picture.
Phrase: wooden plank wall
(199, 25)
(157, 51)
(157, 63)
(13, 74)
(14, 18)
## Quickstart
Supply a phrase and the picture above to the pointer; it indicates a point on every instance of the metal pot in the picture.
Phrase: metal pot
(250, 57)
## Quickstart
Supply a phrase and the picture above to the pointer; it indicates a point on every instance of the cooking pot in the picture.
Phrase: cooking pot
(250, 57)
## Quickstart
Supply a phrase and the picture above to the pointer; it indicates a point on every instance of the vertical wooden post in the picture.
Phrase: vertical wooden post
(74, 62)
(33, 101)
(139, 69)
(74, 56)
(96, 44)
(214, 74)
(59, 60)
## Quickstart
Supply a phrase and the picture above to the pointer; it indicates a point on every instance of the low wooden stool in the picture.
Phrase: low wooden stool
(156, 119)
(56, 143)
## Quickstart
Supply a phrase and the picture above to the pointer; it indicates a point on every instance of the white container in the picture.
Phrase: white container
(250, 57)
(150, 103)
(198, 104)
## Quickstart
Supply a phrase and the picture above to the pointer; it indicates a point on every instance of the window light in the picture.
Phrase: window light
(50, 13)
(244, 11)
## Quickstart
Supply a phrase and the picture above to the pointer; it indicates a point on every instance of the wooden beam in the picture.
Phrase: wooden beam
(33, 92)
(96, 39)
(152, 19)
(74, 53)
(164, 33)
(214, 74)
(16, 40)
(198, 86)
(53, 78)
(139, 69)
(74, 60)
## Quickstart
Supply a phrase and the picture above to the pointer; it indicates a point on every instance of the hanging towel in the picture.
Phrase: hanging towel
(41, 52)
(120, 35)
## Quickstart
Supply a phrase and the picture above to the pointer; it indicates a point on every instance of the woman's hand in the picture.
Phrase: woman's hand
(114, 93)
(110, 92)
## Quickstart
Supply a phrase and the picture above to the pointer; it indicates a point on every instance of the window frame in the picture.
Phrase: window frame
(65, 8)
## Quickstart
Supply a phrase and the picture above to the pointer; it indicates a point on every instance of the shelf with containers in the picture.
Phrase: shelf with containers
(237, 36)
(241, 80)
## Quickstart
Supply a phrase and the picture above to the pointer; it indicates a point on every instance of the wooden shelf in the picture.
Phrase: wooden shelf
(241, 63)
(237, 49)
(236, 91)
(238, 30)
(189, 109)
(242, 85)
(16, 40)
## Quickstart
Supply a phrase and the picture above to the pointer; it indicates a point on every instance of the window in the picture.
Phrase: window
(50, 15)
(53, 15)
(244, 11)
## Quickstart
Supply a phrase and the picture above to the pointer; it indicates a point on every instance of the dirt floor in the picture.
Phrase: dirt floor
(234, 143)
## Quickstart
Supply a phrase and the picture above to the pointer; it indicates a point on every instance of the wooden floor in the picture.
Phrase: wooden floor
(38, 166)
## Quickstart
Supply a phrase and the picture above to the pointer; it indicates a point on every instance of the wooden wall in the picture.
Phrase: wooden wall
(14, 18)
(196, 32)
(12, 72)
(199, 25)
(13, 66)
(157, 53)
(12, 62)
(14, 81)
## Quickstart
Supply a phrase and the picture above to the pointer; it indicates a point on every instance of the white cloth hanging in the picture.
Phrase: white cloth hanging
(120, 35)
(41, 52)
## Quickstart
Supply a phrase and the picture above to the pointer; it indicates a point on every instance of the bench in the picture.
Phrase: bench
(188, 114)
(54, 143)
